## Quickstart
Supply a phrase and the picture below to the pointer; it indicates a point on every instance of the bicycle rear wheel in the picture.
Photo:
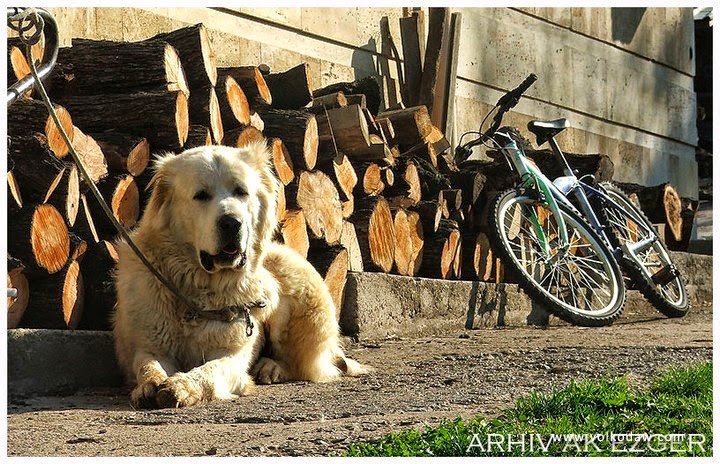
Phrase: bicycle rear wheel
(652, 269)
(582, 285)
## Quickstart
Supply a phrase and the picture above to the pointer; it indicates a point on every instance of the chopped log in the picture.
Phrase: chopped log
(332, 264)
(450, 200)
(412, 125)
(91, 155)
(252, 83)
(123, 197)
(599, 165)
(478, 257)
(30, 116)
(349, 241)
(290, 89)
(369, 179)
(124, 152)
(689, 208)
(375, 232)
(127, 67)
(281, 209)
(368, 86)
(162, 117)
(293, 231)
(234, 106)
(471, 183)
(316, 195)
(196, 54)
(35, 166)
(407, 184)
(198, 136)
(431, 180)
(388, 130)
(97, 268)
(320, 104)
(39, 239)
(409, 242)
(342, 173)
(442, 255)
(56, 301)
(85, 227)
(204, 110)
(356, 99)
(299, 132)
(64, 193)
(430, 214)
(16, 280)
(282, 162)
(348, 128)
(660, 203)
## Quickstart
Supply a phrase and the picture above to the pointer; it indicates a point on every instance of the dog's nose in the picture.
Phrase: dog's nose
(229, 226)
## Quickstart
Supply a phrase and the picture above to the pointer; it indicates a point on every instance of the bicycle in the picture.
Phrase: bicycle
(569, 238)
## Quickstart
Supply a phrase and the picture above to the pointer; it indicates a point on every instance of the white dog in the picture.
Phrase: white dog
(208, 229)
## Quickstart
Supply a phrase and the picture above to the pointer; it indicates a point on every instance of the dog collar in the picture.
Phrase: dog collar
(227, 314)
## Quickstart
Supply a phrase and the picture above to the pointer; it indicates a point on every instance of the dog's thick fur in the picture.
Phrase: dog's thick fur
(208, 228)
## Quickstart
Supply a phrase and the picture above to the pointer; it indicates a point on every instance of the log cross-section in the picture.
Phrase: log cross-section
(375, 232)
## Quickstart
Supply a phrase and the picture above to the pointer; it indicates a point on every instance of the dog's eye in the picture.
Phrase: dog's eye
(239, 192)
(202, 195)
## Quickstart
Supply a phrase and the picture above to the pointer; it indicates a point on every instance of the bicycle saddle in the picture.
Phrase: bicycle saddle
(544, 130)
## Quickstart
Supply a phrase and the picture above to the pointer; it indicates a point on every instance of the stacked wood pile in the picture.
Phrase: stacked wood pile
(366, 187)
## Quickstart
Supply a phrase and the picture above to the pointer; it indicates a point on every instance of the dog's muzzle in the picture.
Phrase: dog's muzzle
(230, 254)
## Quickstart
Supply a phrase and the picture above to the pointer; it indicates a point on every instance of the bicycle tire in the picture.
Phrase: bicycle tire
(585, 276)
(671, 297)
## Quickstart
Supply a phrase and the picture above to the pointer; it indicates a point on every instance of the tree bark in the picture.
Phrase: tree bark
(97, 268)
(367, 86)
(290, 89)
(204, 110)
(443, 252)
(196, 54)
(162, 117)
(198, 136)
(412, 125)
(331, 262)
(127, 67)
(299, 132)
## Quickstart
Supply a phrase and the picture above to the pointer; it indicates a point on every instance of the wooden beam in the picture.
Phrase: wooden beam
(412, 61)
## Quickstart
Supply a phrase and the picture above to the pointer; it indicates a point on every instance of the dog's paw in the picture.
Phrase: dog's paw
(178, 391)
(143, 395)
(267, 371)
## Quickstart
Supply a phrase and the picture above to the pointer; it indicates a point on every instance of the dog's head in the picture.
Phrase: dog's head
(217, 203)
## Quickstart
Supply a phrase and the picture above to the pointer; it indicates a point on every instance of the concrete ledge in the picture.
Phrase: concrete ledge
(58, 362)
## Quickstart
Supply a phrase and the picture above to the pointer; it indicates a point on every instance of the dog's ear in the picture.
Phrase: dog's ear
(159, 184)
(257, 154)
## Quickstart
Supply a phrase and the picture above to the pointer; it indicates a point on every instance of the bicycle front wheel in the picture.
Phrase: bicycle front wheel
(580, 282)
(652, 269)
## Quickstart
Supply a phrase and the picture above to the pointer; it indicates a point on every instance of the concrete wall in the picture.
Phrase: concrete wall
(623, 76)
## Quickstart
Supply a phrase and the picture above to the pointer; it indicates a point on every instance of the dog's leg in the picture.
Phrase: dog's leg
(150, 373)
(222, 378)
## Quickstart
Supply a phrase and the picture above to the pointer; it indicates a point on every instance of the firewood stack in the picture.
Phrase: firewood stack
(364, 189)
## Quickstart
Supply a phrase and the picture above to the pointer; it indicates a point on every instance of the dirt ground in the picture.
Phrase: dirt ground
(418, 382)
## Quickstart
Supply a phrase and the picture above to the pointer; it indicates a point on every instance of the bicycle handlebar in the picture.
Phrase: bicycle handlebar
(504, 104)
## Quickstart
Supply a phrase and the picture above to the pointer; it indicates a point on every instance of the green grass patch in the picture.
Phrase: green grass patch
(604, 417)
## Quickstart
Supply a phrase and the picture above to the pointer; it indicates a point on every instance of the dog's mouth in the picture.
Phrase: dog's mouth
(229, 256)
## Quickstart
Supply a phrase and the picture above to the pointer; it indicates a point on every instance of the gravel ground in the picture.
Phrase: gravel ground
(418, 382)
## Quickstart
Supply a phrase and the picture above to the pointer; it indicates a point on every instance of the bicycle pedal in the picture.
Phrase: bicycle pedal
(665, 275)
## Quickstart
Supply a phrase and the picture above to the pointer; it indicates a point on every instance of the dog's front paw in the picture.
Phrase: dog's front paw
(143, 395)
(267, 371)
(178, 391)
